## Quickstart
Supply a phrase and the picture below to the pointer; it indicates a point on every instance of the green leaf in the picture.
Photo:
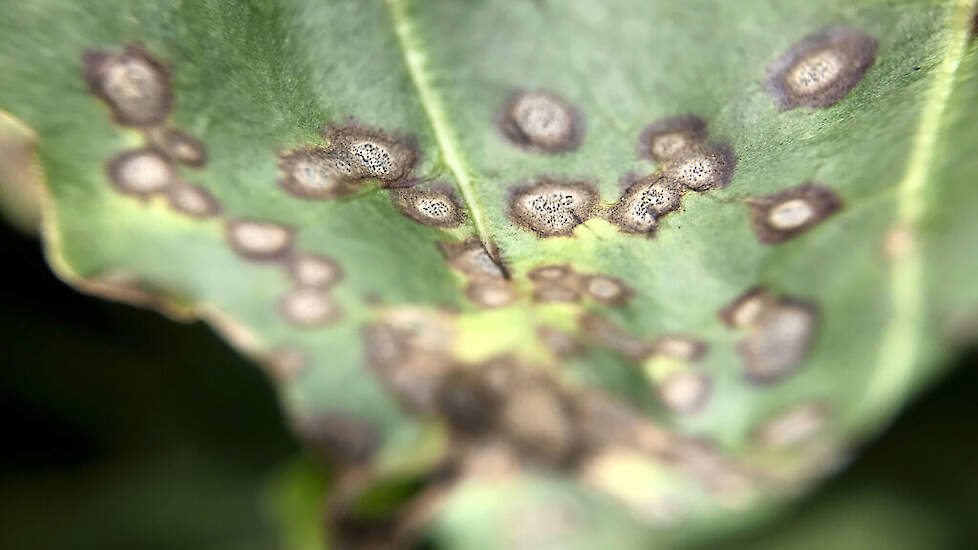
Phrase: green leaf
(414, 215)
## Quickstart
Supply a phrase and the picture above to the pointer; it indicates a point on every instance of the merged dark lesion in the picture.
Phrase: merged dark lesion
(780, 332)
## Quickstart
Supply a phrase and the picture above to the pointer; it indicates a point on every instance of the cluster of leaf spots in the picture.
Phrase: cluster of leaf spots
(779, 330)
(669, 361)
(681, 386)
(817, 72)
(136, 88)
(553, 208)
(507, 416)
(688, 162)
(562, 283)
(487, 282)
(308, 304)
(353, 154)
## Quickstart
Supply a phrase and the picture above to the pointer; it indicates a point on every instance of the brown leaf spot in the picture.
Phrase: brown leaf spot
(539, 422)
(469, 406)
(685, 391)
(541, 121)
(192, 200)
(436, 206)
(680, 347)
(140, 172)
(783, 215)
(471, 258)
(746, 310)
(309, 307)
(315, 173)
(556, 283)
(644, 202)
(179, 146)
(610, 335)
(371, 153)
(258, 240)
(703, 168)
(822, 69)
(134, 84)
(792, 426)
(608, 290)
(490, 293)
(410, 351)
(779, 341)
(551, 208)
(667, 138)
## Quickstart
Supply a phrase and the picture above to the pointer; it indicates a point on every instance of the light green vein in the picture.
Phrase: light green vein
(900, 346)
(417, 63)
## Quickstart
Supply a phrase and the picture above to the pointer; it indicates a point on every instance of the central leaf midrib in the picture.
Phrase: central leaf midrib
(890, 378)
(451, 150)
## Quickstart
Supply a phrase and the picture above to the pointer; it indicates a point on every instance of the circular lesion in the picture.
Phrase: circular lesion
(821, 69)
(542, 121)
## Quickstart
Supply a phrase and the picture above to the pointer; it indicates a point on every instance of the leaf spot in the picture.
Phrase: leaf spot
(786, 214)
(702, 168)
(140, 172)
(436, 206)
(541, 121)
(664, 140)
(822, 69)
(192, 200)
(132, 83)
(258, 240)
(309, 307)
(550, 208)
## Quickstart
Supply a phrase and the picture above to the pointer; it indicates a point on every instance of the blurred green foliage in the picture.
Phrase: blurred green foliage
(124, 430)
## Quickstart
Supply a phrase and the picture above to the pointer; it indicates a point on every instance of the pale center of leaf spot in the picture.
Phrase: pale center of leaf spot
(815, 72)
(436, 208)
(315, 174)
(670, 144)
(307, 307)
(131, 79)
(260, 238)
(144, 173)
(314, 271)
(543, 119)
(685, 391)
(697, 172)
(790, 214)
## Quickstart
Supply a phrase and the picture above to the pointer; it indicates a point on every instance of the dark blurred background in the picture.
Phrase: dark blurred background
(124, 430)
